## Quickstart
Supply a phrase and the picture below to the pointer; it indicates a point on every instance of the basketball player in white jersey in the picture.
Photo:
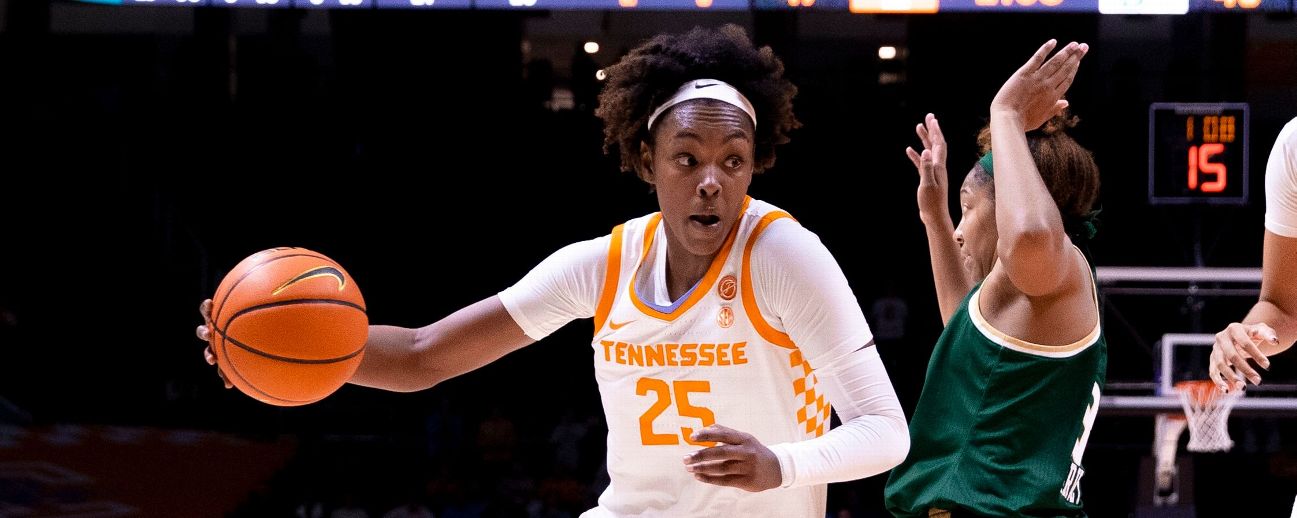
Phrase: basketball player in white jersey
(723, 329)
(1271, 327)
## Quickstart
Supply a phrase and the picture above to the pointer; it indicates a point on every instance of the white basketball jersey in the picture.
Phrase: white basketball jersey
(713, 359)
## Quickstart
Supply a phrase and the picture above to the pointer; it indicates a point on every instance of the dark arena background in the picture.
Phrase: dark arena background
(439, 151)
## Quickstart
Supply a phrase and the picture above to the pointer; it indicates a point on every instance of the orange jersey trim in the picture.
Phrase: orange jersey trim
(763, 328)
(708, 280)
(609, 280)
(650, 230)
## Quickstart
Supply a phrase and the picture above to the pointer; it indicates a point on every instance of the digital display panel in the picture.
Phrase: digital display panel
(423, 4)
(816, 5)
(1143, 6)
(267, 4)
(1272, 6)
(893, 6)
(614, 4)
(1058, 6)
(1198, 153)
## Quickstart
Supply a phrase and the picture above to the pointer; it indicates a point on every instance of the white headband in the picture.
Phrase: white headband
(707, 89)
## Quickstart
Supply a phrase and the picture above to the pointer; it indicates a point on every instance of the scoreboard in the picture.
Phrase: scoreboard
(1198, 153)
(855, 6)
(1060, 6)
(613, 4)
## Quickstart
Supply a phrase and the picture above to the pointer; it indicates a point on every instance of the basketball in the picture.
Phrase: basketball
(288, 326)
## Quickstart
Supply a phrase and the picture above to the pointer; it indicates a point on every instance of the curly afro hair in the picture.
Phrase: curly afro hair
(651, 73)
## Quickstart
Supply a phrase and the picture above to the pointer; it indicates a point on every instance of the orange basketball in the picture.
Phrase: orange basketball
(288, 326)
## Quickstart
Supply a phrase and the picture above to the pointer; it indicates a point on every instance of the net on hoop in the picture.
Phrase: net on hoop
(1207, 410)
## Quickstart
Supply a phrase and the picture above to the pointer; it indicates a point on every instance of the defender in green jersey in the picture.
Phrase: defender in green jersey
(1013, 385)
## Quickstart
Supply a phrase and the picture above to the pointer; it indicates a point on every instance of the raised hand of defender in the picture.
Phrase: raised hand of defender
(204, 333)
(739, 461)
(934, 184)
(1034, 94)
(1234, 346)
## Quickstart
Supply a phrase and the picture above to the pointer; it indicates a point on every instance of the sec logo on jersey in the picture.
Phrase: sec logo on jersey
(726, 317)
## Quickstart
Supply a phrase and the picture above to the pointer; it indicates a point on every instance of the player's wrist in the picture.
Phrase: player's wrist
(934, 215)
(786, 468)
(1008, 117)
(937, 222)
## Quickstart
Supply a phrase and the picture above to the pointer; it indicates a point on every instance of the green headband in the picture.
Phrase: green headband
(987, 164)
(1083, 228)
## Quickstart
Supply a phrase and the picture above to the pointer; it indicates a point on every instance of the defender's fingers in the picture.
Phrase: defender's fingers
(1038, 58)
(914, 156)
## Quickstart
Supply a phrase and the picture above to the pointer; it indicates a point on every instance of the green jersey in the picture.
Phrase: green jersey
(1001, 423)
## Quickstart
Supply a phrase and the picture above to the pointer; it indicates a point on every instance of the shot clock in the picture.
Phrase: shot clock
(1197, 153)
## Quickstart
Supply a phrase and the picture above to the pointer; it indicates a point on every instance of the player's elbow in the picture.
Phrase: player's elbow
(398, 359)
(424, 366)
(900, 441)
(889, 443)
(413, 379)
(405, 382)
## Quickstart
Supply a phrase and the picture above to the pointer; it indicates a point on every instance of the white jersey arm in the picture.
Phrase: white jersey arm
(562, 288)
(873, 437)
(801, 288)
(1281, 183)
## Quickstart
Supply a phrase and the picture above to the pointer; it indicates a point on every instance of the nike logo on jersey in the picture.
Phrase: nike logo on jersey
(615, 326)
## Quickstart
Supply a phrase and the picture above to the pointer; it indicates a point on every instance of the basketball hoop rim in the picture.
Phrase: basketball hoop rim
(1203, 392)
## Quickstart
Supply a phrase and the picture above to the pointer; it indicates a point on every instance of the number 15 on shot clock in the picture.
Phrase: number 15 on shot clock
(1198, 153)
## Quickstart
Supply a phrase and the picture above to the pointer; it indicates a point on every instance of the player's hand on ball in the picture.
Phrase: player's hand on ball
(1234, 346)
(931, 165)
(205, 334)
(1034, 93)
(739, 461)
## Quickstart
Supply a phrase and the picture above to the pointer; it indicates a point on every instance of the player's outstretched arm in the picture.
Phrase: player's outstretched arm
(948, 273)
(406, 360)
(563, 287)
(1270, 328)
(1033, 246)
